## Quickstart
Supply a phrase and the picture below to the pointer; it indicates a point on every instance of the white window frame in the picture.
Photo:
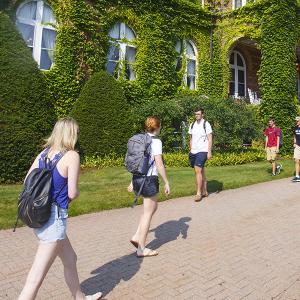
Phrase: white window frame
(244, 2)
(38, 28)
(237, 68)
(189, 57)
(122, 47)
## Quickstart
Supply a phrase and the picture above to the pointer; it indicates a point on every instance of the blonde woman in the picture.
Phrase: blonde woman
(150, 189)
(53, 241)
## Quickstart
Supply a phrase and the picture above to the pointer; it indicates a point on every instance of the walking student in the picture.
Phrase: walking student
(272, 134)
(200, 150)
(53, 240)
(150, 188)
(297, 150)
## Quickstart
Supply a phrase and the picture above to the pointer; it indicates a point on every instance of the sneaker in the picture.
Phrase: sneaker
(273, 174)
(296, 179)
(278, 169)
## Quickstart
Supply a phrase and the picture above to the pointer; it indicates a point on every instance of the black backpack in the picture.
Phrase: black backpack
(35, 201)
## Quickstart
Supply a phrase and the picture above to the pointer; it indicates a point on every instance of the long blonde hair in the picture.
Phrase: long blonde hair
(64, 135)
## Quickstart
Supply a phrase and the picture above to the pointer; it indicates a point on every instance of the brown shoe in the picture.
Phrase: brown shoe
(197, 198)
(205, 195)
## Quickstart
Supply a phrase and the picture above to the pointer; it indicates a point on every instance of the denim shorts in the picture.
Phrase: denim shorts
(150, 188)
(55, 228)
(198, 159)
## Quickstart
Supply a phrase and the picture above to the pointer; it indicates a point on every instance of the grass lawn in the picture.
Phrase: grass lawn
(106, 188)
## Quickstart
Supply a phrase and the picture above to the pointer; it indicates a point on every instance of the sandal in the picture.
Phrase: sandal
(134, 243)
(146, 252)
(197, 198)
(94, 297)
(205, 195)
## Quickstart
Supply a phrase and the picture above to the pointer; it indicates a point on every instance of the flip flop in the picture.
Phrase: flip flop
(96, 296)
(148, 253)
(134, 243)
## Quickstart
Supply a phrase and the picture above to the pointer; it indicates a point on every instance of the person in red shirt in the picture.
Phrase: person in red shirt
(272, 134)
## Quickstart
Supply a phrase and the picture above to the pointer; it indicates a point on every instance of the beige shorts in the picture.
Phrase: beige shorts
(271, 153)
(297, 152)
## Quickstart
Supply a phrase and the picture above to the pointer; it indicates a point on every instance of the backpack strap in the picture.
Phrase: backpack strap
(204, 127)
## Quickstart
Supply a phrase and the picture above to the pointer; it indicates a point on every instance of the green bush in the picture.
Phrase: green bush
(180, 159)
(25, 114)
(233, 121)
(104, 116)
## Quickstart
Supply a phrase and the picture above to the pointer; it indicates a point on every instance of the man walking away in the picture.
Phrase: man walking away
(200, 150)
(297, 149)
(272, 134)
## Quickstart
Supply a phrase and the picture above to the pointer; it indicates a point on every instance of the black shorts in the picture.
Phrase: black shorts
(198, 159)
(150, 188)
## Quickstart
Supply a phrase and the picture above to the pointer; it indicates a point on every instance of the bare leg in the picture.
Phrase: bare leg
(204, 183)
(45, 255)
(150, 206)
(273, 166)
(199, 179)
(297, 168)
(69, 259)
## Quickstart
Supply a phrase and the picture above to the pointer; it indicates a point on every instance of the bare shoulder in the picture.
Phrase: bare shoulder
(72, 155)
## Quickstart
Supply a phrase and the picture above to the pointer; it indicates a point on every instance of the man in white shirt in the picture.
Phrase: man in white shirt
(200, 150)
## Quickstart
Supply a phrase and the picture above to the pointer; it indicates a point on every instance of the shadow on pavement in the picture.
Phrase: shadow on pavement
(169, 231)
(108, 276)
(214, 186)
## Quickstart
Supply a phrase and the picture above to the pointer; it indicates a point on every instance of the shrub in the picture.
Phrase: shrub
(233, 122)
(104, 116)
(25, 114)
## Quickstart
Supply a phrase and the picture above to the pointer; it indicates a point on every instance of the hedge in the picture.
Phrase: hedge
(104, 116)
(25, 114)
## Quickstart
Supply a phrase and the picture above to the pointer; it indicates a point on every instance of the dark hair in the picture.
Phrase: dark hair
(200, 109)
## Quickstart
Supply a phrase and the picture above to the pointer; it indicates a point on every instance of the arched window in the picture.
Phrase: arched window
(187, 49)
(237, 85)
(238, 3)
(34, 19)
(122, 51)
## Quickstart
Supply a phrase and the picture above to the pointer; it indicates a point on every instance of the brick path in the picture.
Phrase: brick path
(238, 244)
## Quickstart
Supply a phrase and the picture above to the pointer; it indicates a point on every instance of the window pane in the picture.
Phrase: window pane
(239, 61)
(130, 54)
(129, 34)
(48, 39)
(191, 67)
(231, 60)
(27, 32)
(241, 90)
(28, 11)
(114, 53)
(178, 47)
(241, 75)
(191, 82)
(190, 49)
(178, 64)
(129, 72)
(238, 3)
(48, 16)
(111, 67)
(231, 88)
(232, 75)
(115, 31)
(46, 59)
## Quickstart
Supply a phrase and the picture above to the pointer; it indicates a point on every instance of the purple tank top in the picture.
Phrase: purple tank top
(59, 189)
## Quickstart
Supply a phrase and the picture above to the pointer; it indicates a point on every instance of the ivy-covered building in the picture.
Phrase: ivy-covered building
(242, 48)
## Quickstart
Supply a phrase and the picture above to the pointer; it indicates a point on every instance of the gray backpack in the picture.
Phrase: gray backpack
(138, 154)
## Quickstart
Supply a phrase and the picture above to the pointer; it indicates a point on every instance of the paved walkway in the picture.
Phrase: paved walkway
(238, 244)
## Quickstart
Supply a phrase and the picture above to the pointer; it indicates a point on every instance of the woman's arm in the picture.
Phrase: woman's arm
(34, 165)
(73, 163)
(162, 171)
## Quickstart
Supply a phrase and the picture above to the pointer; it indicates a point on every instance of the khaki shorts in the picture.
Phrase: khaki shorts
(297, 152)
(271, 153)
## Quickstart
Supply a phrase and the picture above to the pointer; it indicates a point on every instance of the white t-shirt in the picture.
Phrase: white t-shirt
(199, 137)
(156, 149)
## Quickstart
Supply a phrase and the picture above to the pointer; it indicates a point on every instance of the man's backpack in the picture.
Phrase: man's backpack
(35, 200)
(138, 154)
